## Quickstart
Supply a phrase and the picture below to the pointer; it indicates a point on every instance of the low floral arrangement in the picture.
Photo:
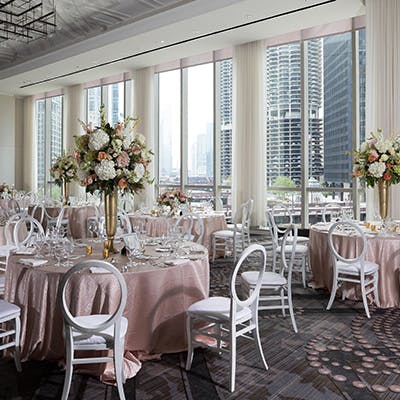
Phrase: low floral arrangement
(172, 198)
(378, 159)
(64, 169)
(110, 157)
(6, 190)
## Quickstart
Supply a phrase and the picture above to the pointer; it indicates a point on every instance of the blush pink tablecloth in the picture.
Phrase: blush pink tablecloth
(156, 308)
(158, 226)
(383, 250)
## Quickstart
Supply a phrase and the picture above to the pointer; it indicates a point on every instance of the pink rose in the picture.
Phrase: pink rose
(123, 160)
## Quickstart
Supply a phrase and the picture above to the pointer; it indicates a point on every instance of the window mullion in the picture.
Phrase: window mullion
(304, 133)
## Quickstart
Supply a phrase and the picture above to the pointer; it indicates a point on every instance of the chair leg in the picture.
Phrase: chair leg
(17, 357)
(303, 272)
(189, 358)
(214, 244)
(118, 362)
(282, 292)
(333, 291)
(68, 369)
(256, 335)
(364, 297)
(376, 292)
(232, 357)
(291, 312)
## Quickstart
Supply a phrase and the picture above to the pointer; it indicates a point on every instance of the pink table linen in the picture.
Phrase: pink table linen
(156, 309)
(383, 250)
(158, 226)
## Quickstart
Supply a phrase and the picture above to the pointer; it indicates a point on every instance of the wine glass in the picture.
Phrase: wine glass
(132, 247)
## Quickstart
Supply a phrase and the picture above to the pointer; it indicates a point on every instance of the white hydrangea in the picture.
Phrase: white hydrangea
(140, 138)
(139, 172)
(377, 169)
(364, 147)
(128, 139)
(105, 170)
(98, 140)
(383, 145)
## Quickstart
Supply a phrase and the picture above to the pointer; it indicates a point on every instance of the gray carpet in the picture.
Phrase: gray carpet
(337, 354)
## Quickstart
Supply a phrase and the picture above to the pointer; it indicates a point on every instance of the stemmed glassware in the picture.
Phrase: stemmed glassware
(133, 248)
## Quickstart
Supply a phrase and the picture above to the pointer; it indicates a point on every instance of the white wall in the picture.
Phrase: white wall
(7, 139)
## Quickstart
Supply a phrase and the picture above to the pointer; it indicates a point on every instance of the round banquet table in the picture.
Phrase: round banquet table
(158, 297)
(77, 217)
(158, 226)
(383, 249)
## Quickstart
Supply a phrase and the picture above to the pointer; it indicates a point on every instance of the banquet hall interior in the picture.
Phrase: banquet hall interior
(199, 199)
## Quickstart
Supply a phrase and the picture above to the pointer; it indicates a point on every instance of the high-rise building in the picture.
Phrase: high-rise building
(284, 134)
(338, 118)
(225, 102)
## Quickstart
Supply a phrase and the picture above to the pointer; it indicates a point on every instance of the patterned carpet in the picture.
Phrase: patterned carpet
(337, 354)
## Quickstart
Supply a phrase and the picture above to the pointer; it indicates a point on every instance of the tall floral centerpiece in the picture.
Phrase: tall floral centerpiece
(64, 171)
(378, 162)
(111, 159)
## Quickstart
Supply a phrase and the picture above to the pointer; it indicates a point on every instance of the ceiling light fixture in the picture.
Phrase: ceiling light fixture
(26, 20)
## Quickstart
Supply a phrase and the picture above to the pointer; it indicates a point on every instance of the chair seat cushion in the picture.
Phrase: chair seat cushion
(269, 278)
(6, 249)
(225, 234)
(218, 307)
(96, 319)
(355, 268)
(8, 309)
(300, 249)
(303, 240)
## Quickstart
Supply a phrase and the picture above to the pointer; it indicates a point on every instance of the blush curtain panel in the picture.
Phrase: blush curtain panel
(73, 113)
(383, 82)
(248, 134)
(143, 108)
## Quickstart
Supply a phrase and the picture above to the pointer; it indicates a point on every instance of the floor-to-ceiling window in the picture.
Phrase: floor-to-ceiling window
(116, 98)
(169, 127)
(49, 141)
(311, 123)
(195, 131)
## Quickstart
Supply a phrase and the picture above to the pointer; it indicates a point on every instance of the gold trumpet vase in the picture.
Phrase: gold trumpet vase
(383, 189)
(65, 192)
(110, 211)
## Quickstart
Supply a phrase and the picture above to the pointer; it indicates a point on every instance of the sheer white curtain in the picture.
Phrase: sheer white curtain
(143, 108)
(248, 146)
(73, 101)
(29, 146)
(383, 80)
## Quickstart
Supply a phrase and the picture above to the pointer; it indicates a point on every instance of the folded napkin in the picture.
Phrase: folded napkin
(33, 262)
(162, 249)
(176, 261)
(98, 270)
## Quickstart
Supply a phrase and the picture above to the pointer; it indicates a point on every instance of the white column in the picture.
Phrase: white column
(143, 106)
(248, 134)
(73, 104)
(383, 82)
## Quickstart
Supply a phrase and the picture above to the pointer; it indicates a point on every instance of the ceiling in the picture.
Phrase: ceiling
(91, 35)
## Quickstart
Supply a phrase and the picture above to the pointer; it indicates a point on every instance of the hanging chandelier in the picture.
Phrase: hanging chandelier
(26, 20)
